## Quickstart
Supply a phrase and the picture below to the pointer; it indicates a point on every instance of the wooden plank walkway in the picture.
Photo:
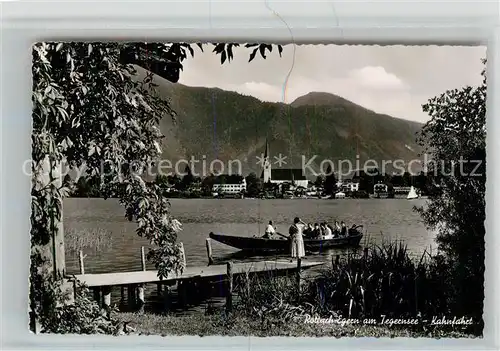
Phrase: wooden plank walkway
(144, 277)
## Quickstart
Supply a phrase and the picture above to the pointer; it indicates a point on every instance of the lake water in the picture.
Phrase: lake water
(382, 219)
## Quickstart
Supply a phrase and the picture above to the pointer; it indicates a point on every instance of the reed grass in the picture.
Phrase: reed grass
(385, 283)
(388, 281)
(96, 239)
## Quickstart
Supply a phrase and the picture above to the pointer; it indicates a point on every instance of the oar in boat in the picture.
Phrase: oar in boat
(283, 235)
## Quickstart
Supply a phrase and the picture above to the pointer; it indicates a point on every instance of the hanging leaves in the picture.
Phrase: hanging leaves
(252, 55)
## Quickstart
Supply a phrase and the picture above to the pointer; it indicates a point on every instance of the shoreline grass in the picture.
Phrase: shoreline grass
(384, 281)
(95, 239)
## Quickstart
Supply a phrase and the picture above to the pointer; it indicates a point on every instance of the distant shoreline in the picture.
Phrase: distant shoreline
(254, 198)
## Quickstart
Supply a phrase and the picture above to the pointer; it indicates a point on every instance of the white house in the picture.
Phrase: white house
(348, 186)
(380, 188)
(354, 186)
(230, 188)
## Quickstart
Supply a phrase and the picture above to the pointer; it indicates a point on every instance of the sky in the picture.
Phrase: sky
(395, 80)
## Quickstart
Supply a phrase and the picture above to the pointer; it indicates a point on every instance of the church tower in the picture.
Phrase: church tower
(267, 165)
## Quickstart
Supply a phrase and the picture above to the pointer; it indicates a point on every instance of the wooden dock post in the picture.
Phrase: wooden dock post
(181, 293)
(183, 254)
(80, 261)
(247, 283)
(106, 297)
(131, 295)
(229, 297)
(209, 251)
(143, 259)
(299, 266)
(97, 295)
(140, 297)
(336, 262)
(166, 298)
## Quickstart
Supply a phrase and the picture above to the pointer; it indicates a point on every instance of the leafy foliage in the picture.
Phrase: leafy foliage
(226, 50)
(75, 81)
(51, 302)
(457, 129)
(254, 185)
(166, 59)
(86, 187)
(330, 182)
(91, 111)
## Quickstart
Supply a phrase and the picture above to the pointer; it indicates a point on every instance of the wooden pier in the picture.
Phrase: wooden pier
(188, 282)
(215, 271)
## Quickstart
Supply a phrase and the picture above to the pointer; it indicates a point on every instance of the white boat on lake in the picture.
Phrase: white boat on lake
(412, 194)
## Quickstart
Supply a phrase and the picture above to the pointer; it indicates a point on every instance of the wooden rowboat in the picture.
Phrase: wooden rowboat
(283, 245)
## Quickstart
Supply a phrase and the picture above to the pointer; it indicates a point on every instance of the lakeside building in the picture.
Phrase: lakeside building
(348, 185)
(381, 191)
(380, 188)
(313, 190)
(231, 188)
(278, 176)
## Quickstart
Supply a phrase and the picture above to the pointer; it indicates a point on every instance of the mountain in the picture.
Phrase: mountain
(324, 99)
(215, 124)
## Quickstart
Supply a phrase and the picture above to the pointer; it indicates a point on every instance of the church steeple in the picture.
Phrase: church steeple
(267, 165)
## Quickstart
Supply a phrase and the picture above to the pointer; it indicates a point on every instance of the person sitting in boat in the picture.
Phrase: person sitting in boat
(332, 230)
(317, 231)
(353, 230)
(296, 240)
(327, 231)
(324, 230)
(308, 231)
(270, 231)
(343, 230)
(338, 228)
(321, 230)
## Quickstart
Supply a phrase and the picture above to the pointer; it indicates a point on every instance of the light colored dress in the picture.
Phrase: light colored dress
(297, 241)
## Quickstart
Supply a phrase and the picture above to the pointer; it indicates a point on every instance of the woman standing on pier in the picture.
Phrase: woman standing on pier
(296, 239)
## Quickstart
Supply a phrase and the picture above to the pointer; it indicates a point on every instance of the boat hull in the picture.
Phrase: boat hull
(260, 244)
